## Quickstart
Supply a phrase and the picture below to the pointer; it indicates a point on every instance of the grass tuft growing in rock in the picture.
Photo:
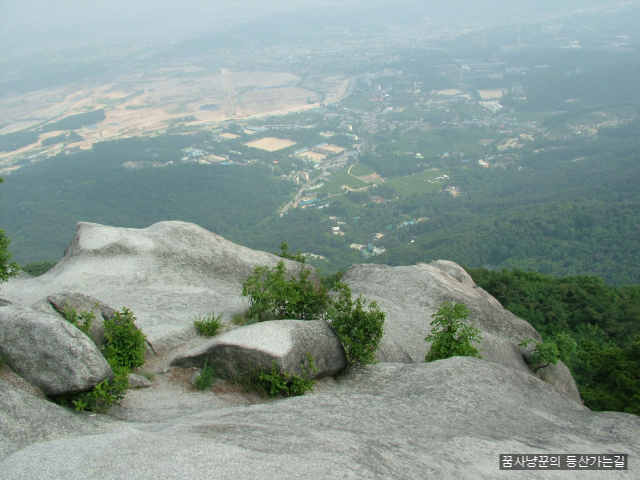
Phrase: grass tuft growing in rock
(205, 379)
(208, 325)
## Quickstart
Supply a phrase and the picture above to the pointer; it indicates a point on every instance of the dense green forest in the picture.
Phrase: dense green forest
(43, 203)
(548, 212)
(603, 320)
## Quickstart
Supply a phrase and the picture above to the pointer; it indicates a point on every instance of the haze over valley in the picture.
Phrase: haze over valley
(492, 134)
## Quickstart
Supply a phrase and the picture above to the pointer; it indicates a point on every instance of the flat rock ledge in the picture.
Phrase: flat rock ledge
(449, 419)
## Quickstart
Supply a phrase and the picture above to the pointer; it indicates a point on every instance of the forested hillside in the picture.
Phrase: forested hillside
(43, 203)
(604, 321)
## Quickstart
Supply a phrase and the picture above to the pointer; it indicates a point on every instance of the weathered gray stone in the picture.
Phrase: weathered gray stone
(165, 274)
(448, 419)
(252, 348)
(455, 270)
(49, 352)
(411, 295)
(85, 303)
(138, 381)
(26, 419)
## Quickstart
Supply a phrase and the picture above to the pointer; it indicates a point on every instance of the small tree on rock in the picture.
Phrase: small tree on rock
(451, 337)
(548, 352)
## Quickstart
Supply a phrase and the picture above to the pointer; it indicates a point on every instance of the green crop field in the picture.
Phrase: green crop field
(416, 183)
(361, 169)
(340, 178)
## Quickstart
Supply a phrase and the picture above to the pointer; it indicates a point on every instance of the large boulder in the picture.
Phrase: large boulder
(49, 352)
(255, 347)
(410, 295)
(448, 419)
(79, 302)
(165, 274)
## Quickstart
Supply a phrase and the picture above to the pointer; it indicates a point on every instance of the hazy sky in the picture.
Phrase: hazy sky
(29, 25)
(52, 23)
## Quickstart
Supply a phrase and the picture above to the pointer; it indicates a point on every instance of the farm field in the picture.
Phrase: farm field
(432, 143)
(361, 169)
(416, 183)
(341, 179)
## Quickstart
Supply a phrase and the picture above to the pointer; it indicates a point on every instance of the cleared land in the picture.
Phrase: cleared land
(152, 101)
(490, 94)
(315, 156)
(228, 135)
(332, 148)
(270, 144)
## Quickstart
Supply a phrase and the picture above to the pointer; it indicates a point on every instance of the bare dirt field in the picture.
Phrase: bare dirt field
(451, 92)
(228, 135)
(333, 148)
(491, 94)
(270, 144)
(315, 156)
(153, 101)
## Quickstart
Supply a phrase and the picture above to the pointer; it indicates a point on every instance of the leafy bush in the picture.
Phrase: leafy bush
(125, 342)
(105, 394)
(451, 337)
(358, 324)
(358, 328)
(275, 383)
(82, 321)
(7, 269)
(271, 293)
(124, 350)
(548, 352)
(208, 325)
(297, 257)
(205, 379)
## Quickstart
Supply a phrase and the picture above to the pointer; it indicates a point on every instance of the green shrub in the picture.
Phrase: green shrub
(208, 325)
(296, 257)
(451, 337)
(549, 352)
(271, 293)
(124, 350)
(358, 328)
(102, 397)
(81, 321)
(125, 342)
(275, 383)
(205, 379)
